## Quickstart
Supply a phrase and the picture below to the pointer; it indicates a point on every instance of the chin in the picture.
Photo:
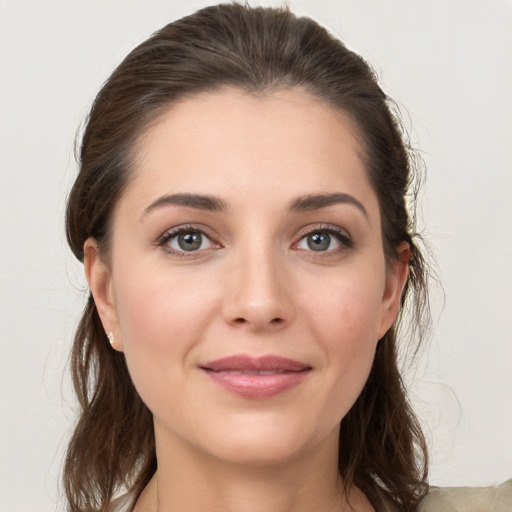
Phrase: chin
(260, 452)
(265, 441)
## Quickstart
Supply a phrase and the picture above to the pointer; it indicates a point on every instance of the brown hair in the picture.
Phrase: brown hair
(382, 449)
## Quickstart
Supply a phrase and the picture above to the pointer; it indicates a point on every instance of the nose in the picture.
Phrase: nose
(257, 292)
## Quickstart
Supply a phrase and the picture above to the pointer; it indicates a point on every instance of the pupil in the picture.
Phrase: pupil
(319, 241)
(189, 241)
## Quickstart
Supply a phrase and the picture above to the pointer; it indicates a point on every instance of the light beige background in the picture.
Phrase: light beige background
(448, 61)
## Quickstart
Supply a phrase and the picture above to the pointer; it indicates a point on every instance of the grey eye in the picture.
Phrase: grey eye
(319, 241)
(189, 241)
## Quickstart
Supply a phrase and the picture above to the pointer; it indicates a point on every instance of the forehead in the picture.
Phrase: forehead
(286, 143)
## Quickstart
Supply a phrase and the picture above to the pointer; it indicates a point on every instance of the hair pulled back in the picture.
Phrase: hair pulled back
(382, 449)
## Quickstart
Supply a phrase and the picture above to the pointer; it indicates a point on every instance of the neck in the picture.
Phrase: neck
(196, 482)
(246, 490)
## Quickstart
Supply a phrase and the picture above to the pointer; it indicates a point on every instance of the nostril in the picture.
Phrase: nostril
(275, 321)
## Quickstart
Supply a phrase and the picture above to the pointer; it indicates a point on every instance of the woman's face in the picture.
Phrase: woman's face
(246, 282)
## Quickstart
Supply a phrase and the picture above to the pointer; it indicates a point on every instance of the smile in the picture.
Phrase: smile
(256, 378)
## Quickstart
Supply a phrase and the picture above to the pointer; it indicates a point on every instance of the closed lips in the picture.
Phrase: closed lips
(253, 372)
(257, 378)
(256, 365)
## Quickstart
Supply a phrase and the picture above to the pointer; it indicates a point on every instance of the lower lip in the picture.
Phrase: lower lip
(257, 386)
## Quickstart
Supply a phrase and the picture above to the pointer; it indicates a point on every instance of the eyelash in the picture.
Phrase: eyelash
(174, 233)
(340, 235)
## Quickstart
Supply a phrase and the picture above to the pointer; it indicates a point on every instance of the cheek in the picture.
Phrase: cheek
(161, 320)
(348, 309)
(346, 322)
(160, 310)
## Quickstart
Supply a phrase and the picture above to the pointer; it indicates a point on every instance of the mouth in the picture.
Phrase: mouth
(257, 377)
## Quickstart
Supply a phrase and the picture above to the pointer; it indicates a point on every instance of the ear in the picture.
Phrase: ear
(395, 282)
(99, 277)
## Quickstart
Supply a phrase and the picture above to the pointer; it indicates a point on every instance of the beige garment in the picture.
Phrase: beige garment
(469, 499)
(439, 499)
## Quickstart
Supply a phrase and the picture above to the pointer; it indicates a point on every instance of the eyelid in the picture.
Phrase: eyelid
(173, 232)
(342, 235)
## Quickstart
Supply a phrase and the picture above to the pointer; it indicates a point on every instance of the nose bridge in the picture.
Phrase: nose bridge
(257, 291)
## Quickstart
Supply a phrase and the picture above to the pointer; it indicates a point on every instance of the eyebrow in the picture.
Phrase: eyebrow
(301, 204)
(318, 201)
(199, 201)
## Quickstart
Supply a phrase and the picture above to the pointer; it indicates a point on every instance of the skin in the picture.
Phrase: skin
(253, 287)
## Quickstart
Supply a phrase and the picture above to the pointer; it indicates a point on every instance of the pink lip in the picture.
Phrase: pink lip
(260, 377)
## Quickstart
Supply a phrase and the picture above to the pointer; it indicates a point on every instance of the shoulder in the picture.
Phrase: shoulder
(469, 499)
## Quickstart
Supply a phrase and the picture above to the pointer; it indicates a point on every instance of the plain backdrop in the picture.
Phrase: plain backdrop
(448, 62)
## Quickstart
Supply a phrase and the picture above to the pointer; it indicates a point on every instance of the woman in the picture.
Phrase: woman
(241, 214)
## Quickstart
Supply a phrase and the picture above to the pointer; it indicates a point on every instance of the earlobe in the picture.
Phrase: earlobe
(395, 282)
(99, 277)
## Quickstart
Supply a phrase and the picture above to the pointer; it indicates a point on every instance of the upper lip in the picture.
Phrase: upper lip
(266, 363)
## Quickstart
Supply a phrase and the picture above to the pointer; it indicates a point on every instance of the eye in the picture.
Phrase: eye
(324, 240)
(186, 239)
